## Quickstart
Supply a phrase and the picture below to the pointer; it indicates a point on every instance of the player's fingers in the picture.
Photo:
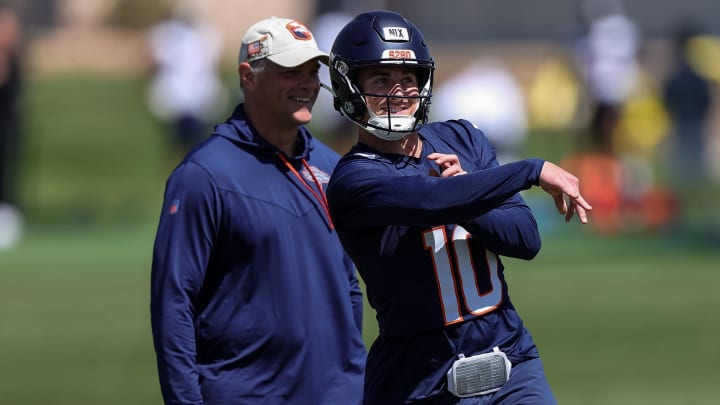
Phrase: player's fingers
(570, 212)
(444, 163)
(449, 172)
(453, 170)
(437, 157)
(580, 201)
(560, 203)
(444, 159)
(581, 213)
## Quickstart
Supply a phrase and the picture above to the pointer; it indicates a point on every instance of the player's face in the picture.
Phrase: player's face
(290, 93)
(394, 83)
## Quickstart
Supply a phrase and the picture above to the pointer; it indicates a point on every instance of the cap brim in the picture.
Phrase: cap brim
(297, 57)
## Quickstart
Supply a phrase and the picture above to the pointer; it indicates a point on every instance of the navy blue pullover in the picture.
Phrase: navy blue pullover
(253, 299)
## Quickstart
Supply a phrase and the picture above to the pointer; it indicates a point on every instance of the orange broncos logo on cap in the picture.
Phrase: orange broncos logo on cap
(299, 30)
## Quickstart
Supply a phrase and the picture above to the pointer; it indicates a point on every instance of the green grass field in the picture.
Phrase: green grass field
(618, 321)
(624, 320)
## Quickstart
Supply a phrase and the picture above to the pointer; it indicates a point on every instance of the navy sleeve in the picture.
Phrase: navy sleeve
(509, 230)
(182, 249)
(356, 295)
(363, 193)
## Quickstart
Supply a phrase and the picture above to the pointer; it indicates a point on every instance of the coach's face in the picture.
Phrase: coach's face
(287, 94)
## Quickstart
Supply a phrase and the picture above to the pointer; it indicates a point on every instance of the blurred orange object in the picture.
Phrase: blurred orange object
(600, 177)
(601, 183)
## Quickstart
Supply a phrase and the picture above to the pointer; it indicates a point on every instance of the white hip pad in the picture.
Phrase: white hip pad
(478, 375)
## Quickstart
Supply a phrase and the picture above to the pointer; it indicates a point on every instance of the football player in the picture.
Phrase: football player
(426, 212)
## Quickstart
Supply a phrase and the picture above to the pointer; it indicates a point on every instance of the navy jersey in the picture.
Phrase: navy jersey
(428, 249)
(253, 298)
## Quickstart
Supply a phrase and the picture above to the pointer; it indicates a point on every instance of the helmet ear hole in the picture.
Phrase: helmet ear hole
(354, 108)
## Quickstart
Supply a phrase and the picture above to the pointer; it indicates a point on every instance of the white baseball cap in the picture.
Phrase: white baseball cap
(286, 42)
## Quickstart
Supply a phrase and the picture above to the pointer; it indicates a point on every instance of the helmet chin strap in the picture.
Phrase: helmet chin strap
(391, 127)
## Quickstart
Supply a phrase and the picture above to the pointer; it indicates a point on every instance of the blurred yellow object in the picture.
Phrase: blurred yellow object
(703, 54)
(553, 96)
(644, 122)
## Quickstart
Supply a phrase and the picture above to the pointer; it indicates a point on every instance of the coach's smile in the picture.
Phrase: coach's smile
(302, 100)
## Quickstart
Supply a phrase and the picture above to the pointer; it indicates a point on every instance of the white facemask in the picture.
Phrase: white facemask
(391, 127)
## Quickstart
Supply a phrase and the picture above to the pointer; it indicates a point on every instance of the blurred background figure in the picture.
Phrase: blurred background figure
(607, 61)
(186, 92)
(688, 99)
(617, 152)
(487, 94)
(10, 91)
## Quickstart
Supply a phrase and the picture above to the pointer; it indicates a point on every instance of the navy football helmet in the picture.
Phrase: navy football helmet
(379, 38)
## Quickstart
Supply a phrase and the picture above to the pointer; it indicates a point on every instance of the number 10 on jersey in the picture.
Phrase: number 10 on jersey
(457, 275)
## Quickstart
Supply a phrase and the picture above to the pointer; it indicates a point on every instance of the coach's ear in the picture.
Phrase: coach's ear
(247, 76)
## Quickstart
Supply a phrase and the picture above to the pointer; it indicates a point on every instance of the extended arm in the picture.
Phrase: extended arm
(364, 194)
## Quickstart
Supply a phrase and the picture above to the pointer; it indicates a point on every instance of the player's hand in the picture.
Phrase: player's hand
(559, 183)
(449, 165)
